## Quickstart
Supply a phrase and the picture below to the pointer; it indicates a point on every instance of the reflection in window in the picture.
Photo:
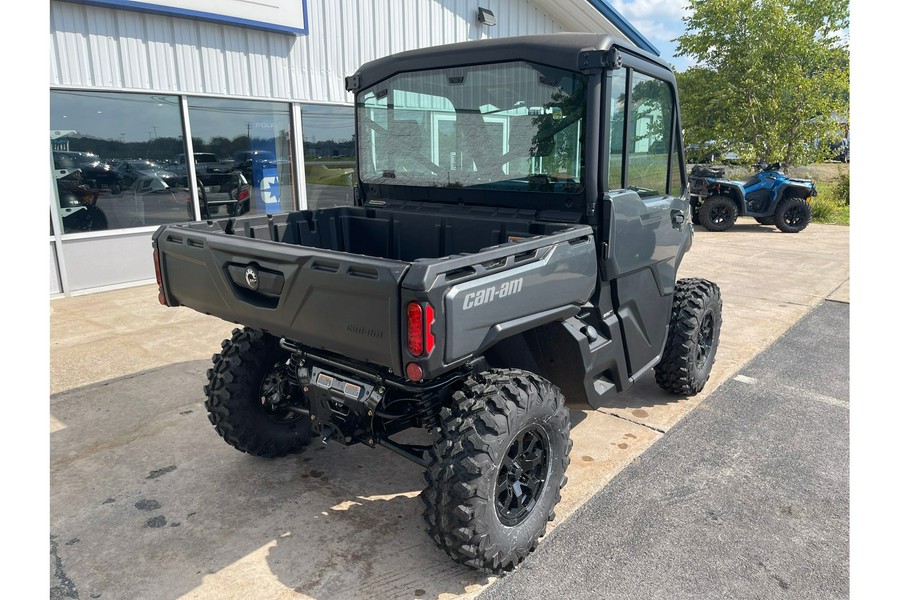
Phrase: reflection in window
(617, 111)
(92, 135)
(505, 126)
(329, 155)
(245, 137)
(649, 135)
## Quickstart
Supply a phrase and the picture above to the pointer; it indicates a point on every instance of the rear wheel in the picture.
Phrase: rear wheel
(792, 215)
(694, 328)
(249, 396)
(718, 213)
(498, 462)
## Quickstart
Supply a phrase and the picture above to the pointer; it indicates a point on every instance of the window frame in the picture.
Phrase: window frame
(632, 65)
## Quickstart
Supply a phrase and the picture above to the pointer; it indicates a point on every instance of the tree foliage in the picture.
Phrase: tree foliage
(772, 77)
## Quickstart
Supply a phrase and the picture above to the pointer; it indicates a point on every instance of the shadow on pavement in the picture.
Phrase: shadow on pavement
(148, 501)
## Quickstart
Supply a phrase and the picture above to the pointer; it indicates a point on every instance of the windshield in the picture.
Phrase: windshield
(512, 126)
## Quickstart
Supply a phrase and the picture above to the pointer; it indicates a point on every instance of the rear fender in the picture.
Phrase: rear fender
(733, 190)
(587, 364)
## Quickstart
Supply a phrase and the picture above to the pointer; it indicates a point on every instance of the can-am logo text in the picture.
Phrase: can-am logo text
(492, 293)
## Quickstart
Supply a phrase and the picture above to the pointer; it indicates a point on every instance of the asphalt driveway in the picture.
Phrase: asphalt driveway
(746, 498)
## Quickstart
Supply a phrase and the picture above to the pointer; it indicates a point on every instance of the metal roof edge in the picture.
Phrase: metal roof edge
(623, 25)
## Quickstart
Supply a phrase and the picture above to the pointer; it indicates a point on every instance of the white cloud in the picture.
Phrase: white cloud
(651, 9)
(658, 20)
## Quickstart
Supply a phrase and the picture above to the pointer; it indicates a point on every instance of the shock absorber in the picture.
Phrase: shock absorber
(294, 365)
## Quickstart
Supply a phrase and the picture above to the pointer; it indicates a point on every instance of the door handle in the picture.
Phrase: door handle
(677, 219)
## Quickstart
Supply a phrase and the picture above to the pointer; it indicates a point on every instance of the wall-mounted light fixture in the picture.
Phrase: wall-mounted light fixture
(486, 17)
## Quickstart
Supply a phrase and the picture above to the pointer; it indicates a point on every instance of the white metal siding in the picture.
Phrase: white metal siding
(120, 49)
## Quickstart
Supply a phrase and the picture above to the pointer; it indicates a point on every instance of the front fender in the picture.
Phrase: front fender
(795, 189)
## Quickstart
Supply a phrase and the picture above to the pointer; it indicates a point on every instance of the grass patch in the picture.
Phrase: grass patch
(323, 175)
(828, 207)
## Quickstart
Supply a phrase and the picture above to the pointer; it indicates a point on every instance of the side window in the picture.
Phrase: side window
(649, 135)
(617, 111)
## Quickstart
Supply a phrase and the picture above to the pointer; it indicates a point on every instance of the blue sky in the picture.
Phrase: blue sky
(659, 21)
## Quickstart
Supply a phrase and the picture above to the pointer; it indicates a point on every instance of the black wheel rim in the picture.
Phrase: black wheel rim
(719, 215)
(705, 340)
(275, 395)
(522, 476)
(793, 216)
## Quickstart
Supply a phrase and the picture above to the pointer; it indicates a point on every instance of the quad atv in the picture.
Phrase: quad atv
(771, 197)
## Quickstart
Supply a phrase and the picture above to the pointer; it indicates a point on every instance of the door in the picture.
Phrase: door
(645, 212)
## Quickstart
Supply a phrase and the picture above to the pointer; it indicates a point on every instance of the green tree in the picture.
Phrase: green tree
(772, 77)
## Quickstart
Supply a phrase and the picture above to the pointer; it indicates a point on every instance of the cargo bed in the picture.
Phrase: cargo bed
(335, 279)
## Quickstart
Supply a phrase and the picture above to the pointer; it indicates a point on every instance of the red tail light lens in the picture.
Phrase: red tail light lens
(429, 321)
(415, 325)
(161, 297)
(244, 194)
(419, 319)
(156, 266)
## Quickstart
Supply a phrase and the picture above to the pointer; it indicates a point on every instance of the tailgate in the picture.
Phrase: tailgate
(335, 301)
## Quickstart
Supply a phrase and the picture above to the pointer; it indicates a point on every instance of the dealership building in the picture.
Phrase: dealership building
(173, 110)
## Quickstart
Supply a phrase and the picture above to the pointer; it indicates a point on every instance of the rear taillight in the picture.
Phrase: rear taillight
(161, 297)
(244, 194)
(419, 337)
(429, 336)
(415, 329)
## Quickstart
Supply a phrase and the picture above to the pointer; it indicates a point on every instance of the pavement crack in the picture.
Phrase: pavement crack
(66, 587)
(618, 416)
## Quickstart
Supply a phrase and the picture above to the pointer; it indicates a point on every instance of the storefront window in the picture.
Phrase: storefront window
(246, 138)
(110, 160)
(329, 153)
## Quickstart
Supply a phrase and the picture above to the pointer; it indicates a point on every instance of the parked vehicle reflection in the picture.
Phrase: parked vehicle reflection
(230, 198)
(95, 171)
(132, 170)
(155, 200)
(78, 203)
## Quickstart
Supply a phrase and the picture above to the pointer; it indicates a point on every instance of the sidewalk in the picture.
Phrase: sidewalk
(131, 448)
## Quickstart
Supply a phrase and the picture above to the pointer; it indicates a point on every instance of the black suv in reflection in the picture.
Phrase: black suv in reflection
(95, 172)
(252, 162)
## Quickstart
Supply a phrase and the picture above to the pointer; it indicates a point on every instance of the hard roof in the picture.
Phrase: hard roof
(556, 49)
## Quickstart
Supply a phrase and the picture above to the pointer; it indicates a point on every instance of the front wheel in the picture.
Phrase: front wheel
(249, 396)
(498, 462)
(718, 213)
(792, 215)
(694, 328)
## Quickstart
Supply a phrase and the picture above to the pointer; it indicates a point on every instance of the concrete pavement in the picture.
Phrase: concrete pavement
(147, 501)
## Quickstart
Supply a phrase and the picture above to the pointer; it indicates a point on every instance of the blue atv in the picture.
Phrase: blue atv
(771, 197)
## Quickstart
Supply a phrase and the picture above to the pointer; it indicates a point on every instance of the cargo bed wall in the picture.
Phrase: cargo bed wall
(404, 235)
(329, 279)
